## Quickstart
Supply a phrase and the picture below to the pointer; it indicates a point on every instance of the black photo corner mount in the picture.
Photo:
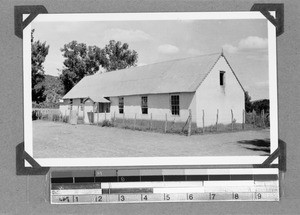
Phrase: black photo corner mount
(278, 22)
(279, 153)
(21, 156)
(32, 10)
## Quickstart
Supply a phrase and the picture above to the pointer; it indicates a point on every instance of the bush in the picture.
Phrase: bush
(107, 123)
(65, 119)
(56, 117)
(34, 115)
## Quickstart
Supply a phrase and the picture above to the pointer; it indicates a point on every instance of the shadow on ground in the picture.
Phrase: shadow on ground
(262, 145)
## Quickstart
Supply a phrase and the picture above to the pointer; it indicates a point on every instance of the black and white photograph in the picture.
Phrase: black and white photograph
(150, 89)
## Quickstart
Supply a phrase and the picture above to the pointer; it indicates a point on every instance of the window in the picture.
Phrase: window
(222, 74)
(121, 104)
(103, 107)
(144, 105)
(81, 101)
(175, 108)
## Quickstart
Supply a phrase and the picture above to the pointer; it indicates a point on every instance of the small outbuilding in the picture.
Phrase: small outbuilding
(205, 84)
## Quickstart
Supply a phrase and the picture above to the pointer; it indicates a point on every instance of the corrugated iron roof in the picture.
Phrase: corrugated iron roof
(99, 99)
(180, 75)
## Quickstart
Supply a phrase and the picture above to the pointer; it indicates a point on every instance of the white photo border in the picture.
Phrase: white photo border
(149, 161)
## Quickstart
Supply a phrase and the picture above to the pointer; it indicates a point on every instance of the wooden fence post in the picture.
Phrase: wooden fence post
(231, 120)
(97, 115)
(263, 118)
(203, 128)
(134, 121)
(83, 109)
(253, 117)
(150, 121)
(217, 119)
(190, 123)
(105, 115)
(243, 123)
(166, 123)
(123, 119)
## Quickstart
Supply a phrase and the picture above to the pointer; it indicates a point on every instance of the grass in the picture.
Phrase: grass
(253, 122)
(174, 127)
(58, 140)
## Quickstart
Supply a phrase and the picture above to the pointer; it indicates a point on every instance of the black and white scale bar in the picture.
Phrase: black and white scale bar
(92, 187)
(164, 178)
(163, 197)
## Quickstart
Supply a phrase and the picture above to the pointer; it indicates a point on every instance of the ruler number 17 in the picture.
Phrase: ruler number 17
(212, 196)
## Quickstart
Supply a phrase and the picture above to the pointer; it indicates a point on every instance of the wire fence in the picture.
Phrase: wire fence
(162, 123)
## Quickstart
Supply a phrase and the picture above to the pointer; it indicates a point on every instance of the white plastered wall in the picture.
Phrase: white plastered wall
(211, 96)
(158, 106)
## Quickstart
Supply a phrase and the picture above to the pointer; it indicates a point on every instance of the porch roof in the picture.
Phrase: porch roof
(99, 99)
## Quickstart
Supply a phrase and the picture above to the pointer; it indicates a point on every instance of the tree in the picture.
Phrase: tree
(39, 51)
(119, 56)
(248, 104)
(260, 105)
(82, 60)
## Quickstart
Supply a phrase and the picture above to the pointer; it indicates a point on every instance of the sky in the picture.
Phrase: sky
(244, 43)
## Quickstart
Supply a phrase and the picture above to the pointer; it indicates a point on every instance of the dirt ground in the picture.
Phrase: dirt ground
(61, 140)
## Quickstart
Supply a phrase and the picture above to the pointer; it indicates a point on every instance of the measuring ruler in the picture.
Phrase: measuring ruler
(163, 185)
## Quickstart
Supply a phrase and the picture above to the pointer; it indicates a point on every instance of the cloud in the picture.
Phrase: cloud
(258, 57)
(249, 44)
(141, 64)
(252, 42)
(230, 48)
(168, 49)
(126, 35)
(192, 51)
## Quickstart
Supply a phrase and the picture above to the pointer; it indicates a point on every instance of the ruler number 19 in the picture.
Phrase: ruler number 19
(258, 195)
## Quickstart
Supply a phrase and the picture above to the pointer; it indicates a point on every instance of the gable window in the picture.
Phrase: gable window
(144, 104)
(175, 107)
(121, 104)
(222, 74)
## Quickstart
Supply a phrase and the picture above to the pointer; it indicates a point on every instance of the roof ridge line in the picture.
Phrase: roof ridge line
(177, 59)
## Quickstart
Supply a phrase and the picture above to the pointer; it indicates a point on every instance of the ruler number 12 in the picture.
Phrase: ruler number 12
(99, 199)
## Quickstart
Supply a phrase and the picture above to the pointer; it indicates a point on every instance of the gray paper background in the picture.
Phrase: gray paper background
(29, 194)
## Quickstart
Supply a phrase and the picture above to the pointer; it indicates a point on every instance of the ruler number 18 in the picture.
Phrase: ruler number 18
(236, 196)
